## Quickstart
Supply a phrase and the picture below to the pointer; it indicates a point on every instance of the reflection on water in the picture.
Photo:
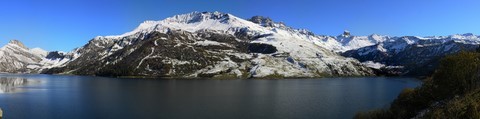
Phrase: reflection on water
(84, 97)
(10, 84)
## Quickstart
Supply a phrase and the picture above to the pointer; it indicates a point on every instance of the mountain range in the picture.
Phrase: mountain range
(221, 45)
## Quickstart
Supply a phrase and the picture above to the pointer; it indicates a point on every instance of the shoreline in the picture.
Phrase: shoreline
(421, 78)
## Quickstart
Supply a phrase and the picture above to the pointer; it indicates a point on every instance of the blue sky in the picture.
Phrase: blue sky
(67, 24)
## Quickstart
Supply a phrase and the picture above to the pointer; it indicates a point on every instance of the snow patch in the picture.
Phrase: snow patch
(374, 65)
(209, 42)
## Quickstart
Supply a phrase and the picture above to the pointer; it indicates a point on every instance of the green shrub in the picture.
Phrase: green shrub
(466, 107)
(408, 103)
(456, 75)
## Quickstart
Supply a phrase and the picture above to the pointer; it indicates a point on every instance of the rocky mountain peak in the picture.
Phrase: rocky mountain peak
(18, 43)
(464, 36)
(195, 17)
(264, 21)
(346, 33)
(468, 34)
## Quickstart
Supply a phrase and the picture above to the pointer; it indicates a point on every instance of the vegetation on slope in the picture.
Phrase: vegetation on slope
(452, 92)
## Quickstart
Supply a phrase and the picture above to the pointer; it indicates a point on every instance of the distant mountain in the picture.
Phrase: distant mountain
(15, 57)
(211, 44)
(416, 56)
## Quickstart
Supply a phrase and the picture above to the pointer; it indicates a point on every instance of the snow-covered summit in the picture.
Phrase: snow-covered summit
(17, 46)
(196, 17)
(193, 22)
(464, 36)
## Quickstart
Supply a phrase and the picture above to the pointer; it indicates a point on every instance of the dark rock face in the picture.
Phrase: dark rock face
(55, 55)
(264, 21)
(261, 48)
(346, 33)
(215, 15)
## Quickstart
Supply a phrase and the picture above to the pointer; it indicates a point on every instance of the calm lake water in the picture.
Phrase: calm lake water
(81, 97)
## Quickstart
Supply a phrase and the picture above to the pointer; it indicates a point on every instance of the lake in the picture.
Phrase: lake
(85, 97)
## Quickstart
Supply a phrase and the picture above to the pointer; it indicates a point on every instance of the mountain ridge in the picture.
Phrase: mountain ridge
(225, 35)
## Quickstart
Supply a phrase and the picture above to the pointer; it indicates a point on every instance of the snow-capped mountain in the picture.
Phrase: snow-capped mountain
(211, 44)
